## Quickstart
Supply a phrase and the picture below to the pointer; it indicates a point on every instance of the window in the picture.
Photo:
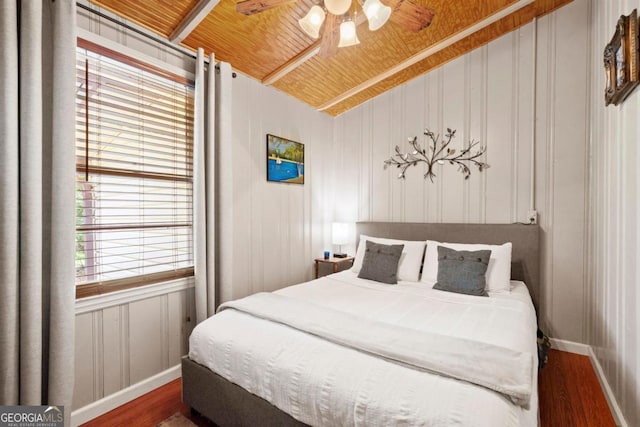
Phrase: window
(134, 174)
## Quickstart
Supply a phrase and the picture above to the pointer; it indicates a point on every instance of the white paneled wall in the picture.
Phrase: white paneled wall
(487, 95)
(613, 324)
(123, 344)
(587, 191)
(278, 229)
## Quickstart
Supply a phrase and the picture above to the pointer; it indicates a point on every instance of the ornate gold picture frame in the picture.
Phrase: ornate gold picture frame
(621, 60)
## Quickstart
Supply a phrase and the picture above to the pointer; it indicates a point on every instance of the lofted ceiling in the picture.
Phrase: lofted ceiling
(271, 48)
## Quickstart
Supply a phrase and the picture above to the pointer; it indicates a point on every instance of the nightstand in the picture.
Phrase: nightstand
(335, 262)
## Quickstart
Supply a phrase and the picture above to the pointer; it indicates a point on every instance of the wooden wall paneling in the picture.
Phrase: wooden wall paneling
(84, 389)
(397, 137)
(164, 330)
(339, 212)
(516, 102)
(243, 174)
(296, 248)
(347, 175)
(253, 132)
(273, 230)
(112, 350)
(524, 121)
(382, 149)
(145, 338)
(569, 183)
(271, 209)
(321, 171)
(284, 193)
(545, 118)
(98, 355)
(176, 320)
(500, 130)
(125, 345)
(612, 298)
(366, 163)
(191, 312)
(453, 117)
(433, 121)
(474, 127)
(629, 376)
(611, 279)
(413, 124)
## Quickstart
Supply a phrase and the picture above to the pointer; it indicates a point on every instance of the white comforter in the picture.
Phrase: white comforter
(320, 382)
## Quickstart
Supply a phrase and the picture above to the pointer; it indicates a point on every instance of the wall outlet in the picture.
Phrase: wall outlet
(532, 217)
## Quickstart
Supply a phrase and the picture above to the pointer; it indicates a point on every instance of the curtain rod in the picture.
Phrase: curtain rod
(138, 31)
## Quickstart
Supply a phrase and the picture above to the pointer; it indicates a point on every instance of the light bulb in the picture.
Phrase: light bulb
(377, 13)
(337, 7)
(348, 36)
(348, 29)
(312, 21)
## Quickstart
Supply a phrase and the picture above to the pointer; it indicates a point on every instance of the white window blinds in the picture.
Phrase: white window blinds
(134, 152)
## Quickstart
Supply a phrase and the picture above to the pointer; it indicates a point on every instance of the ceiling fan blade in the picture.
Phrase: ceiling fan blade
(250, 7)
(410, 14)
(330, 36)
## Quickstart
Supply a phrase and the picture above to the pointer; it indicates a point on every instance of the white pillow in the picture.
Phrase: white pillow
(410, 260)
(498, 273)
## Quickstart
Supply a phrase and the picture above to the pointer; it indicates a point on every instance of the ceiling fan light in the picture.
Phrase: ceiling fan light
(377, 13)
(312, 21)
(348, 36)
(337, 7)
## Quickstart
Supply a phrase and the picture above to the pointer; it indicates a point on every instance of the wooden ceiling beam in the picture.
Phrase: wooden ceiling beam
(428, 52)
(192, 19)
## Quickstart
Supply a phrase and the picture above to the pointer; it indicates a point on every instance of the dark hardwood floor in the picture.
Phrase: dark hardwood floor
(569, 392)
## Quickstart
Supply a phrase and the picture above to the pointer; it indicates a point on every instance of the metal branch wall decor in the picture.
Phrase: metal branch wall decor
(437, 150)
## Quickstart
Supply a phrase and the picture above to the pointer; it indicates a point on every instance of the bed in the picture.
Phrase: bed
(297, 357)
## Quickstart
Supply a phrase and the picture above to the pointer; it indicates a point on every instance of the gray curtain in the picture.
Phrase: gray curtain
(37, 237)
(204, 188)
(226, 188)
(212, 132)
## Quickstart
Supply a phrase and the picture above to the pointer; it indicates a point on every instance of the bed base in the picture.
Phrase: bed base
(225, 403)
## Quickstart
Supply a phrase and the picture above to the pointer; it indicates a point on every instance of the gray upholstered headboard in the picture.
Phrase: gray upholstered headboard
(525, 255)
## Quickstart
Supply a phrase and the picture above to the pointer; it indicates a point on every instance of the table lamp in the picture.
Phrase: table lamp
(340, 236)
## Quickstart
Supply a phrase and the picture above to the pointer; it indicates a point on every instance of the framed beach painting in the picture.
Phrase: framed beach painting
(285, 160)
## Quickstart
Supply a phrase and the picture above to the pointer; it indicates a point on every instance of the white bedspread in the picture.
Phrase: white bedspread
(323, 383)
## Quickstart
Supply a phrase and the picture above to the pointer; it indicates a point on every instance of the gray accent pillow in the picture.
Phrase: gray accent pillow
(381, 262)
(462, 272)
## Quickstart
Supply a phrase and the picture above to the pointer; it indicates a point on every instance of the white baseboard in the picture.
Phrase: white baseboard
(570, 346)
(108, 403)
(586, 350)
(608, 393)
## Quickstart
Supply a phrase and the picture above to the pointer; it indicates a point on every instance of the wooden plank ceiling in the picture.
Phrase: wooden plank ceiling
(262, 44)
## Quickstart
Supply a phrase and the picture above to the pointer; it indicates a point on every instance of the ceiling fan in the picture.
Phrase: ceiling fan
(339, 26)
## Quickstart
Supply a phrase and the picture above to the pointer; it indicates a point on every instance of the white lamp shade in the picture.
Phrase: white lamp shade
(340, 233)
(377, 13)
(348, 36)
(312, 21)
(337, 7)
